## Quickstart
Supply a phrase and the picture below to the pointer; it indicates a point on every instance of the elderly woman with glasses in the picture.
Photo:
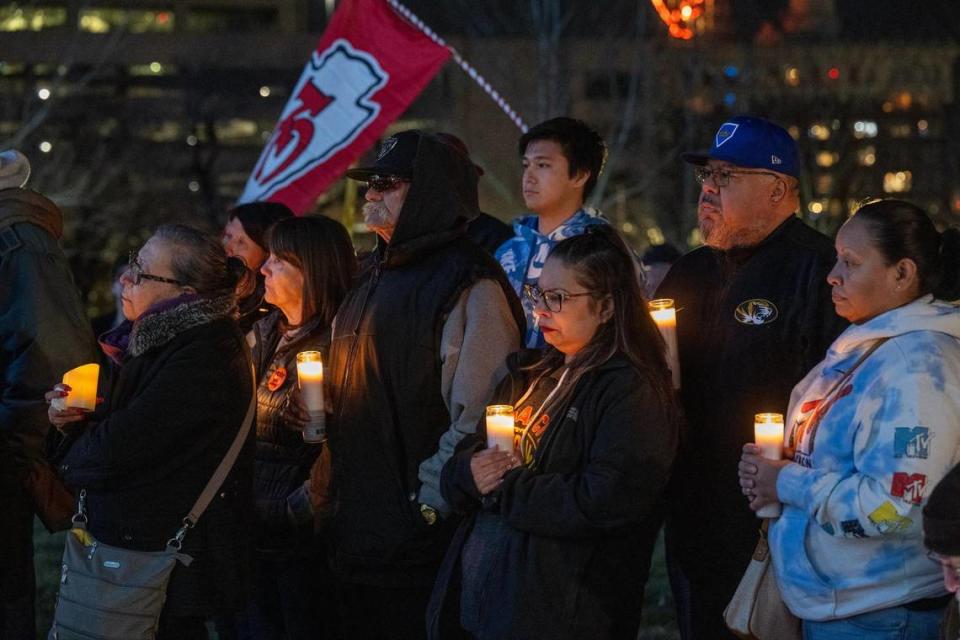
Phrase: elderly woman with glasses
(178, 395)
(559, 530)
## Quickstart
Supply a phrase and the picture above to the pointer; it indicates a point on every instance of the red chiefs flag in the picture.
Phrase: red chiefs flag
(368, 67)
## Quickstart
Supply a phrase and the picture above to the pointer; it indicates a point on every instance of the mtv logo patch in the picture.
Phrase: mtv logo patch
(329, 107)
(852, 529)
(724, 133)
(909, 486)
(911, 442)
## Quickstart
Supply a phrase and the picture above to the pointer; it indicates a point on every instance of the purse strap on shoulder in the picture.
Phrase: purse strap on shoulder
(223, 469)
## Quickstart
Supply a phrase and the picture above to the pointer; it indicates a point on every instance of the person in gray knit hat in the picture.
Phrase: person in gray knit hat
(941, 527)
(43, 333)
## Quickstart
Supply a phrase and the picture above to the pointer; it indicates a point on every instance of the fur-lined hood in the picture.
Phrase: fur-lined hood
(164, 321)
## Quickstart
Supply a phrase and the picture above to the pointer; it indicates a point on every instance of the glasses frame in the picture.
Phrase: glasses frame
(137, 274)
(536, 295)
(383, 184)
(704, 173)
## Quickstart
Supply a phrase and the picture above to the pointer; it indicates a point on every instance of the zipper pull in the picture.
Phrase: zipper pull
(93, 549)
(63, 574)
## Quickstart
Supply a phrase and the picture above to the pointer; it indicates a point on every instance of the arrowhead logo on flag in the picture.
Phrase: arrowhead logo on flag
(369, 66)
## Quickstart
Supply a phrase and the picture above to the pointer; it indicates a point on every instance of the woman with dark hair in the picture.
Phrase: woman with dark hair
(559, 532)
(244, 237)
(869, 431)
(310, 266)
(178, 396)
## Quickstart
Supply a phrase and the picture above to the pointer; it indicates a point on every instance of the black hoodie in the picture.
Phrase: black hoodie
(384, 374)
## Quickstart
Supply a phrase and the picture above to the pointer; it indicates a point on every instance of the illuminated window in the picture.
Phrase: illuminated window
(865, 129)
(152, 69)
(827, 158)
(819, 132)
(867, 156)
(14, 18)
(134, 21)
(897, 182)
(237, 130)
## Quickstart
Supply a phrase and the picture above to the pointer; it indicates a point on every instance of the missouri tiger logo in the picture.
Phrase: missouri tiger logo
(756, 311)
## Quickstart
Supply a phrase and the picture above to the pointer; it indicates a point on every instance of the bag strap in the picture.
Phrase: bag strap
(849, 373)
(223, 469)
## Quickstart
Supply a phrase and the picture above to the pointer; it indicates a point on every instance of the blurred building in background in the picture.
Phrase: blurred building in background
(141, 112)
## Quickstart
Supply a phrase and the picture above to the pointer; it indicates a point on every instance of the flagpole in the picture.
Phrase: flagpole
(466, 66)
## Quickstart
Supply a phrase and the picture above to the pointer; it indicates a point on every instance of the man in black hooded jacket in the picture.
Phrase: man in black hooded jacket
(417, 347)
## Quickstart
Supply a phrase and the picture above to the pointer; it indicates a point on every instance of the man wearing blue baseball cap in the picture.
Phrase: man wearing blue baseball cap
(755, 316)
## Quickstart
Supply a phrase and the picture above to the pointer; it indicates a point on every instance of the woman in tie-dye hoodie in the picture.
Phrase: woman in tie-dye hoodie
(867, 448)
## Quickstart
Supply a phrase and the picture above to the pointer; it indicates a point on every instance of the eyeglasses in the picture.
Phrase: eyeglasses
(943, 560)
(721, 177)
(552, 298)
(383, 184)
(136, 273)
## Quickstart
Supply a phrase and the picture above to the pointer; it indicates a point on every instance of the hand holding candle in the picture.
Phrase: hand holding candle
(768, 435)
(310, 379)
(665, 316)
(500, 427)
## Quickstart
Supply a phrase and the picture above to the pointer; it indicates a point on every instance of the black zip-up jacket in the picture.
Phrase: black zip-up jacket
(751, 323)
(581, 521)
(384, 376)
(283, 459)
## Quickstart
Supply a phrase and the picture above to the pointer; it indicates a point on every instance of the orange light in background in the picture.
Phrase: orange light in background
(680, 16)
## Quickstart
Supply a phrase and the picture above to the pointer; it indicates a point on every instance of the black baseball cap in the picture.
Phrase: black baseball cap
(394, 157)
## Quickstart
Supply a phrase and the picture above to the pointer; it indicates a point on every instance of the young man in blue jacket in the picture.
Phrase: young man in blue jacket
(562, 159)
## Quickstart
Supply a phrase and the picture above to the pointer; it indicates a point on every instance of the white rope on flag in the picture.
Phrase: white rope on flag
(466, 66)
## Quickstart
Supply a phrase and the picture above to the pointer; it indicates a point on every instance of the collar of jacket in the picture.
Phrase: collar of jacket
(23, 205)
(162, 323)
(519, 360)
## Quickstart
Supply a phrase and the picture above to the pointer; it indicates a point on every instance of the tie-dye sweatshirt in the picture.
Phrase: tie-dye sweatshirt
(850, 537)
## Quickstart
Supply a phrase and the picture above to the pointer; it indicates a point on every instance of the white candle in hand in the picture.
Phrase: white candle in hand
(500, 426)
(83, 388)
(310, 380)
(665, 316)
(768, 435)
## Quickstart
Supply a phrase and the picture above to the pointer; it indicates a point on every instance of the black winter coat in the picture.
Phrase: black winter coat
(581, 522)
(283, 459)
(752, 323)
(170, 416)
(384, 377)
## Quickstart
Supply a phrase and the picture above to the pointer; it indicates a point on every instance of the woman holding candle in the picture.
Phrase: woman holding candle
(870, 430)
(559, 531)
(177, 400)
(306, 274)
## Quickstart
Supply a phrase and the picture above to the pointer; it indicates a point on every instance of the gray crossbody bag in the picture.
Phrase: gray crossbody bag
(110, 593)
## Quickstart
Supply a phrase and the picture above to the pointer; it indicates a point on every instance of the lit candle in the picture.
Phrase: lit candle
(665, 315)
(500, 426)
(768, 435)
(83, 388)
(310, 380)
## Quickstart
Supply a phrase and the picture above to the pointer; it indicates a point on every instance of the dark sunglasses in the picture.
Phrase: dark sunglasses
(136, 273)
(384, 184)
